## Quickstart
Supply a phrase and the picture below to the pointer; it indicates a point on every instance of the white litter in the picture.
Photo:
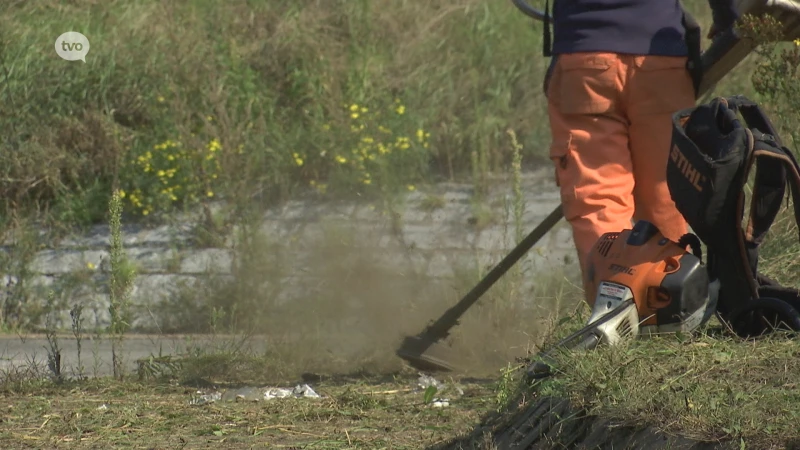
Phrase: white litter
(254, 394)
(440, 403)
(298, 391)
(426, 381)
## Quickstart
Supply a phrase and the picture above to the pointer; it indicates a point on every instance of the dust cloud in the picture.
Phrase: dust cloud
(342, 303)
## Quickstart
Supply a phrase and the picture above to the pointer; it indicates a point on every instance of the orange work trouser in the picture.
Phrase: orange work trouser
(611, 124)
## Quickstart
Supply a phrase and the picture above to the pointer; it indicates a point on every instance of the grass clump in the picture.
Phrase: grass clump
(709, 388)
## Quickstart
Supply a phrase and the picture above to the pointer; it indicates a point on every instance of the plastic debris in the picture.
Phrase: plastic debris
(426, 381)
(440, 403)
(254, 394)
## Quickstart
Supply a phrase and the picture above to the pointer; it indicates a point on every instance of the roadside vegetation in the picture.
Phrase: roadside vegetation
(186, 106)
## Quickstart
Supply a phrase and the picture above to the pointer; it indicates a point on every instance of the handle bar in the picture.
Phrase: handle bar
(528, 10)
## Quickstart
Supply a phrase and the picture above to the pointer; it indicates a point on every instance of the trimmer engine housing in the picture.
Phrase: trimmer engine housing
(668, 284)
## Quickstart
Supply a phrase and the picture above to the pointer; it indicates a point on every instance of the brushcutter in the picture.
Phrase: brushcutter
(620, 307)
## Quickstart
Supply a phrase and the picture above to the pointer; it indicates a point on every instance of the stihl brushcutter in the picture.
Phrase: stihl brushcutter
(672, 290)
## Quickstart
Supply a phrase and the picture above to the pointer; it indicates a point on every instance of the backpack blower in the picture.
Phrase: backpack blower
(640, 283)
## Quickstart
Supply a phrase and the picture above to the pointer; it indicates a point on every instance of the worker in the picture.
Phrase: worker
(618, 72)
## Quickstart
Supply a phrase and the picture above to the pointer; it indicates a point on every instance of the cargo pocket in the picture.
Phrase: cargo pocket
(587, 83)
(660, 85)
(561, 156)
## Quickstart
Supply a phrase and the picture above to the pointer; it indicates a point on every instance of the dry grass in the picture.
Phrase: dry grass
(354, 413)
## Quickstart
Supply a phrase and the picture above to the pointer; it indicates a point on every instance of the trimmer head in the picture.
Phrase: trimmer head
(425, 355)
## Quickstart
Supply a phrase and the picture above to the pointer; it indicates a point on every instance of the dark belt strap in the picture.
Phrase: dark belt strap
(693, 38)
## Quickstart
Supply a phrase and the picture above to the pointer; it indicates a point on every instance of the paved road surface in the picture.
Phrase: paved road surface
(26, 351)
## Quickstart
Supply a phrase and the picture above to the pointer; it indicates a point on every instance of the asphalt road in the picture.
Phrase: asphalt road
(26, 352)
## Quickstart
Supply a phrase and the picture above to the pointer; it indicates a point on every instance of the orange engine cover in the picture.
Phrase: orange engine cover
(670, 286)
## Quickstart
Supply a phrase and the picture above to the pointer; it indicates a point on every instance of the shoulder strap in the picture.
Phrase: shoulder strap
(693, 39)
(775, 167)
(547, 46)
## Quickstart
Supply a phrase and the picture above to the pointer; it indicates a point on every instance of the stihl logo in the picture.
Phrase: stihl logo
(686, 169)
(616, 268)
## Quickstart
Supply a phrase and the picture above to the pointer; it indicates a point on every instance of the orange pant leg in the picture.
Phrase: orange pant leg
(590, 147)
(657, 87)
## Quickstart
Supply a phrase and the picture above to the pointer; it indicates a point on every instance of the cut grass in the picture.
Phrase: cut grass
(361, 413)
(709, 387)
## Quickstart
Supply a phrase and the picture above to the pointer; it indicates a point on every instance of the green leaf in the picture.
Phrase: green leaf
(430, 391)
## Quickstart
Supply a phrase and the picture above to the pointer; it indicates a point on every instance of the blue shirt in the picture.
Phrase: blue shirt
(640, 27)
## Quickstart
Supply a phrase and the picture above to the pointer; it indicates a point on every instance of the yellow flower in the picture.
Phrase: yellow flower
(209, 194)
(326, 127)
(341, 159)
(353, 107)
(401, 110)
(420, 135)
(367, 181)
(367, 140)
(145, 212)
(354, 115)
(797, 42)
(90, 266)
(160, 99)
(214, 145)
(121, 193)
(297, 159)
(209, 118)
(411, 187)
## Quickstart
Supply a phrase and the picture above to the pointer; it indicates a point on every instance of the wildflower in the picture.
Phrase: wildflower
(400, 110)
(341, 159)
(411, 187)
(121, 193)
(145, 212)
(209, 194)
(209, 118)
(367, 181)
(797, 42)
(354, 115)
(353, 107)
(214, 145)
(160, 99)
(326, 127)
(297, 159)
(90, 266)
(403, 143)
(420, 135)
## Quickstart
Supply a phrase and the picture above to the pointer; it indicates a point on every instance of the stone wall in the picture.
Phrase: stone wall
(430, 232)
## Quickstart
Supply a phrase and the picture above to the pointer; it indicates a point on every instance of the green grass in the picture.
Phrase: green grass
(710, 387)
(181, 103)
(241, 99)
